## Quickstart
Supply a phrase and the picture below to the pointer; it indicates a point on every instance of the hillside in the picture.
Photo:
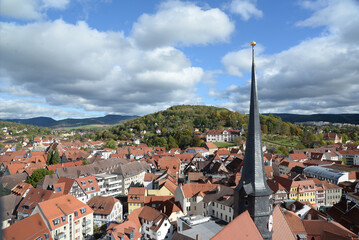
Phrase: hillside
(51, 123)
(177, 123)
(18, 129)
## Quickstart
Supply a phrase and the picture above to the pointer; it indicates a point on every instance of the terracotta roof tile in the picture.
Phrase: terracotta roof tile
(102, 205)
(31, 227)
(247, 229)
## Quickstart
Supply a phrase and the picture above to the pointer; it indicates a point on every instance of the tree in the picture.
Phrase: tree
(85, 162)
(37, 175)
(111, 144)
(172, 142)
(53, 157)
(238, 141)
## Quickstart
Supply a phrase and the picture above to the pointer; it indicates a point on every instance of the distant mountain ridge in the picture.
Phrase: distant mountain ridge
(70, 122)
(333, 118)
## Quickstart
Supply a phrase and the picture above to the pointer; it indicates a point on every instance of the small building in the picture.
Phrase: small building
(136, 198)
(106, 210)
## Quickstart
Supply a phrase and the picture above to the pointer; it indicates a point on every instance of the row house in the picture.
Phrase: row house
(219, 203)
(222, 135)
(190, 196)
(66, 217)
(110, 184)
(128, 230)
(280, 193)
(106, 210)
(136, 198)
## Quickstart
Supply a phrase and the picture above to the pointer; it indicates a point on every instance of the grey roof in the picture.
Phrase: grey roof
(75, 172)
(8, 205)
(132, 168)
(10, 181)
(205, 230)
(224, 195)
(47, 180)
(108, 165)
(323, 172)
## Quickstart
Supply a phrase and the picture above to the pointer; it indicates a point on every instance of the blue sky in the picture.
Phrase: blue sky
(81, 58)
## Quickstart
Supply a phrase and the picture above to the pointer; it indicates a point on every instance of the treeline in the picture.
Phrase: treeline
(177, 125)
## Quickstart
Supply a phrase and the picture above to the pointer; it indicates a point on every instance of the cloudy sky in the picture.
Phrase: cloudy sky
(82, 58)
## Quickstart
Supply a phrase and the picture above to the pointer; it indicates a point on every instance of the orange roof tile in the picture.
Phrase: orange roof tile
(61, 206)
(32, 227)
(247, 229)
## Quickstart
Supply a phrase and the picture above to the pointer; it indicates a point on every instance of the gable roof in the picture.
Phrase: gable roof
(247, 229)
(191, 189)
(62, 206)
(102, 205)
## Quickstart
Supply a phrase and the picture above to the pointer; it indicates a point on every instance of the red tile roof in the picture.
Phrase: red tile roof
(21, 188)
(242, 227)
(62, 206)
(32, 227)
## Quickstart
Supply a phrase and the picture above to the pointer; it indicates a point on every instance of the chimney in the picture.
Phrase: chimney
(309, 216)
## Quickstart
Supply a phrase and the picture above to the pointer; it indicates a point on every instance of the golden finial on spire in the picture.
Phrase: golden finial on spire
(253, 43)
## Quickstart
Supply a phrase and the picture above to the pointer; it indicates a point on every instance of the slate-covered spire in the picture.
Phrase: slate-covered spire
(252, 192)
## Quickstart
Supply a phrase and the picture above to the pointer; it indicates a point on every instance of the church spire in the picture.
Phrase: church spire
(252, 192)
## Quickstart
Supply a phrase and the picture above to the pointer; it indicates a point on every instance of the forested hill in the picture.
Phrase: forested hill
(49, 122)
(179, 121)
(333, 118)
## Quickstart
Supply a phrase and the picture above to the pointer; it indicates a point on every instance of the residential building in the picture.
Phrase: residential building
(8, 205)
(136, 198)
(109, 184)
(219, 203)
(128, 230)
(131, 174)
(155, 225)
(336, 138)
(222, 135)
(83, 188)
(190, 196)
(66, 217)
(32, 198)
(349, 157)
(106, 210)
(32, 227)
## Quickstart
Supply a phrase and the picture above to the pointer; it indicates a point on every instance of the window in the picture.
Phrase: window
(63, 218)
(39, 238)
(46, 236)
(56, 221)
(76, 213)
(83, 210)
(90, 181)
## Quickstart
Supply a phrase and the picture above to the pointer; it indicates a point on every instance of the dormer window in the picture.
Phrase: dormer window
(90, 181)
(63, 218)
(83, 183)
(83, 210)
(56, 221)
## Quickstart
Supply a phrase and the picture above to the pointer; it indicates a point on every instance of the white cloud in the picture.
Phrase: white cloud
(29, 9)
(246, 9)
(318, 75)
(182, 23)
(79, 67)
(12, 109)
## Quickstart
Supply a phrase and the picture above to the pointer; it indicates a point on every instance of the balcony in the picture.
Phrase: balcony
(114, 187)
(114, 182)
(86, 223)
(86, 230)
(60, 236)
